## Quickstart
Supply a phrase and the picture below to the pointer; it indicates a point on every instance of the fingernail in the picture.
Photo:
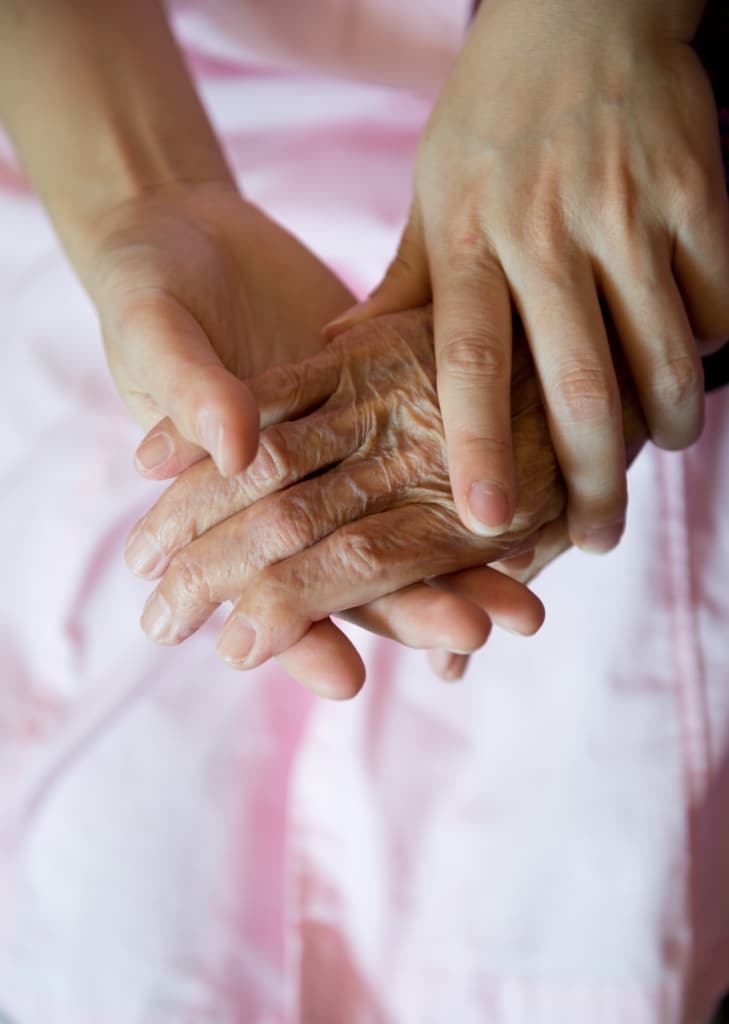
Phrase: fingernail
(156, 616)
(142, 553)
(237, 639)
(602, 540)
(211, 433)
(488, 506)
(154, 451)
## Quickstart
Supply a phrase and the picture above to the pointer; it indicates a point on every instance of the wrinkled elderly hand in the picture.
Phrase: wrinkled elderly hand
(347, 500)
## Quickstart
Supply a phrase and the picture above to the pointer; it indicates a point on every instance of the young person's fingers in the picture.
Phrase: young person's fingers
(178, 368)
(282, 393)
(472, 324)
(656, 338)
(701, 268)
(561, 313)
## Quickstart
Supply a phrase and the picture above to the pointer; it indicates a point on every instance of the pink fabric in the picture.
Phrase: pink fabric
(184, 845)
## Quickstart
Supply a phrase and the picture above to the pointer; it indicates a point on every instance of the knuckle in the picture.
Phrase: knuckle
(466, 252)
(470, 442)
(293, 523)
(676, 387)
(696, 188)
(186, 581)
(601, 509)
(273, 464)
(677, 381)
(474, 353)
(585, 397)
(283, 387)
(620, 206)
(359, 555)
(544, 237)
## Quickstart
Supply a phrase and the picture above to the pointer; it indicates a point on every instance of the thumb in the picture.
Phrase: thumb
(406, 284)
(181, 373)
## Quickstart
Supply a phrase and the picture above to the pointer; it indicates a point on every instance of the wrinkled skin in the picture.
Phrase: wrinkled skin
(198, 291)
(342, 505)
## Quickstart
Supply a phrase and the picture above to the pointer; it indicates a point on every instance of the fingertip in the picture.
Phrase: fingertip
(449, 666)
(326, 662)
(598, 540)
(229, 431)
(162, 456)
(153, 452)
(526, 619)
(534, 619)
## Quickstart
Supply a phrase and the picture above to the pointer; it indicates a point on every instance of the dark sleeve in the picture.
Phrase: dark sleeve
(712, 45)
(716, 369)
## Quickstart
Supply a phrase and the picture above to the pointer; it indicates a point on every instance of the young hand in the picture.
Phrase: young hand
(197, 290)
(570, 172)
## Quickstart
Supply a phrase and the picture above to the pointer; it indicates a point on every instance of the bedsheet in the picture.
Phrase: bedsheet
(544, 843)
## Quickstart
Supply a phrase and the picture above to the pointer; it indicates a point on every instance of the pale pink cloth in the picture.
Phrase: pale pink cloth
(546, 843)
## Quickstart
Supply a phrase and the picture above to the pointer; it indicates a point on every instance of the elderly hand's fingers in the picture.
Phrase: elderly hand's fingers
(406, 284)
(326, 662)
(656, 337)
(508, 603)
(229, 558)
(200, 500)
(287, 392)
(558, 304)
(472, 311)
(420, 616)
(362, 561)
(452, 612)
(187, 381)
